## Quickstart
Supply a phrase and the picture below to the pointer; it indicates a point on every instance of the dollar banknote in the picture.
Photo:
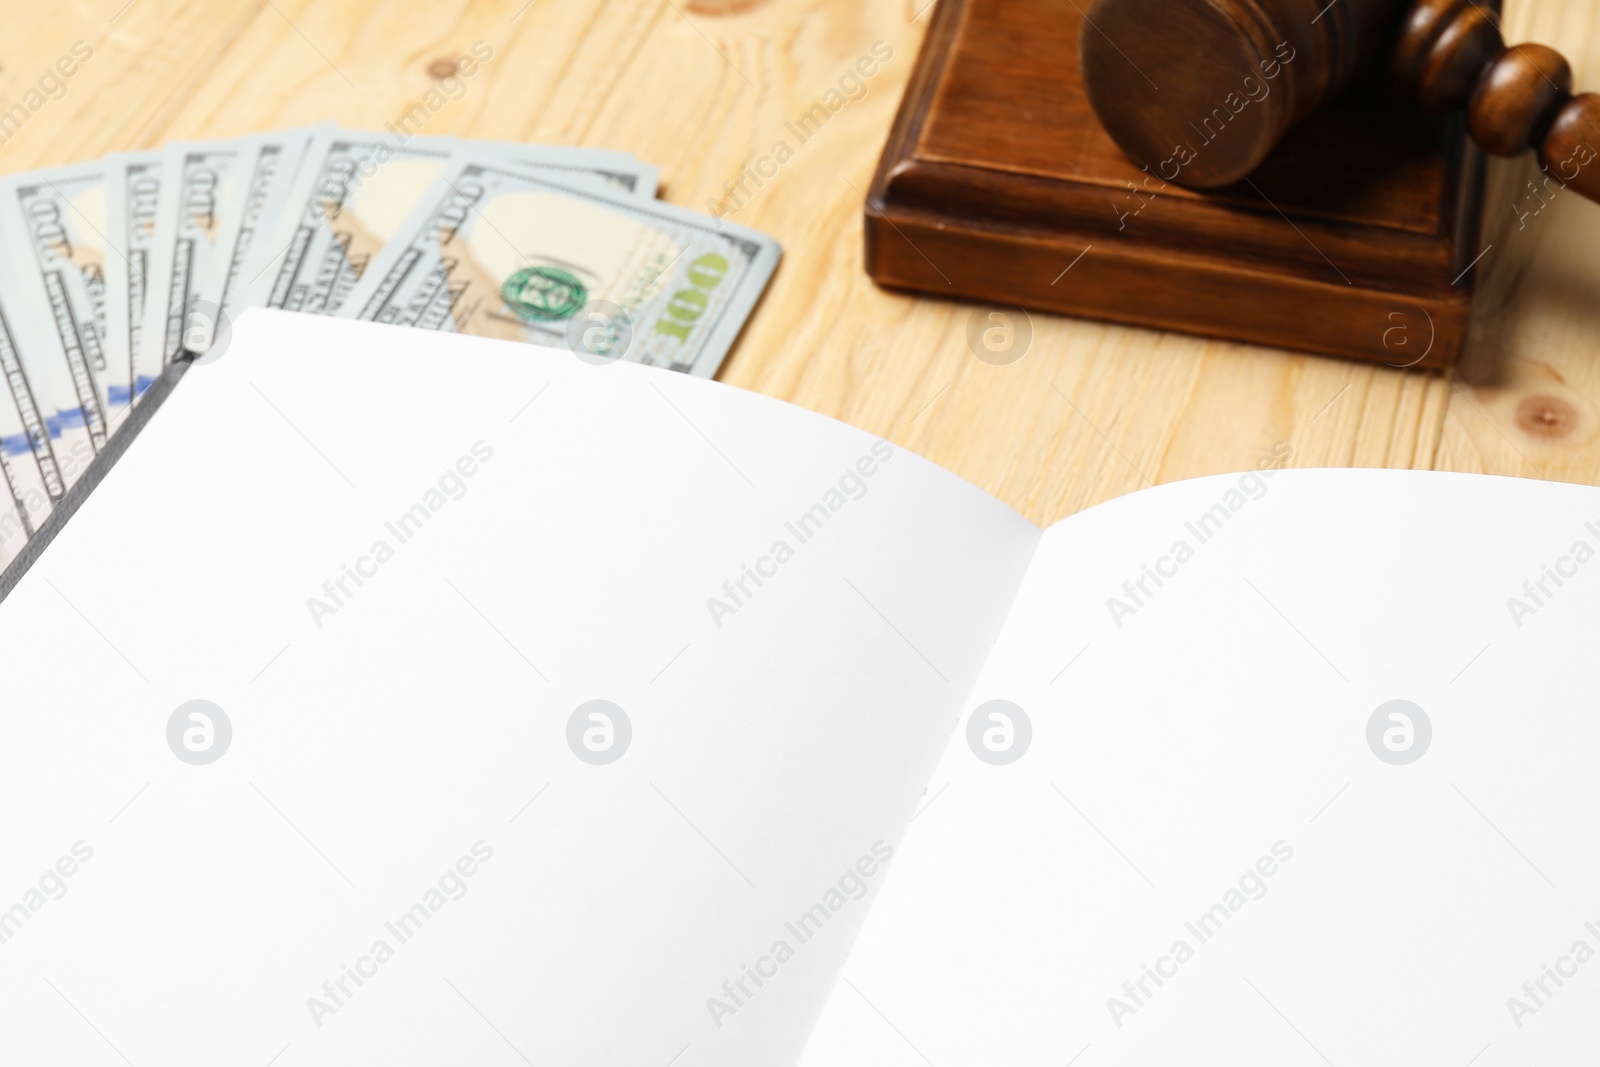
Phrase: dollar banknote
(44, 433)
(499, 251)
(272, 175)
(57, 222)
(354, 188)
(202, 199)
(33, 481)
(582, 168)
(133, 194)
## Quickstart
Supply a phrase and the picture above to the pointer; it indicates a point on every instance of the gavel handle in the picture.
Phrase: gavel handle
(1451, 55)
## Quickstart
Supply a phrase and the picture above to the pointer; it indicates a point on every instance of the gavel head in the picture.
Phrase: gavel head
(1201, 91)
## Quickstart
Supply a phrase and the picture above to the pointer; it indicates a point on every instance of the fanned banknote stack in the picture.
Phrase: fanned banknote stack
(112, 271)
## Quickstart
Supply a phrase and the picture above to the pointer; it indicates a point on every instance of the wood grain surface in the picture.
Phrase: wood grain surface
(704, 88)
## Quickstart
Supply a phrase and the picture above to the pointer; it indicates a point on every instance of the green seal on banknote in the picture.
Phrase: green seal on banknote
(544, 294)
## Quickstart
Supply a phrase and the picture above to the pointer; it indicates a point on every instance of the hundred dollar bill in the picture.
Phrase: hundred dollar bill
(202, 198)
(32, 479)
(57, 219)
(587, 168)
(133, 194)
(45, 435)
(499, 252)
(25, 499)
(355, 188)
(273, 173)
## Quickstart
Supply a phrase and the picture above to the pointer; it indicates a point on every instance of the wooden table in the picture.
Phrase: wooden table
(705, 88)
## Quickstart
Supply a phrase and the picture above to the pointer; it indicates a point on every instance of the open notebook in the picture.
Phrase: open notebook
(411, 699)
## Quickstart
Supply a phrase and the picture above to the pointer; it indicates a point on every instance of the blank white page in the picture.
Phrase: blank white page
(1202, 776)
(554, 533)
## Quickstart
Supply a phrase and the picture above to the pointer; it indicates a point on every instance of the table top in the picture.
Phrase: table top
(706, 89)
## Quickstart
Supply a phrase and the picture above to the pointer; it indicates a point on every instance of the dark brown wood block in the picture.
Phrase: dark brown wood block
(1355, 238)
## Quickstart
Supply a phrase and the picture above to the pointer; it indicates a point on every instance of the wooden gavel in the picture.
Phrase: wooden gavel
(1209, 87)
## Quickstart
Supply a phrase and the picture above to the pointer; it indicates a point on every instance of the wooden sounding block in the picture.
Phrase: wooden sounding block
(1354, 238)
